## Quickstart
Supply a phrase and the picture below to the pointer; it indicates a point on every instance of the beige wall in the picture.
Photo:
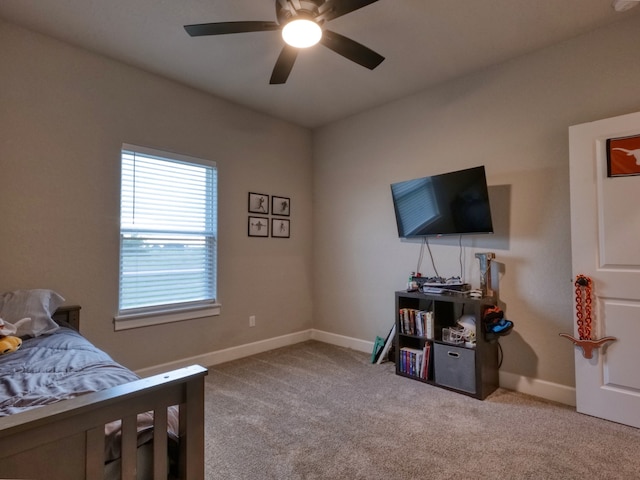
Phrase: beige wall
(64, 114)
(513, 118)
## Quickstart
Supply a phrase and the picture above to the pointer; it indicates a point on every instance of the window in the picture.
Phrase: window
(168, 236)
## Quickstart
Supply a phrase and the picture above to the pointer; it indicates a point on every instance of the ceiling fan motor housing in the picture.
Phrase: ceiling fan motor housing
(286, 10)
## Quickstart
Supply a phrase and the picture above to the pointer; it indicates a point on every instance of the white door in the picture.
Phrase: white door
(605, 240)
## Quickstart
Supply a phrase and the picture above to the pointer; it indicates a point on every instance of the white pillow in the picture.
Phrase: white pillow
(39, 305)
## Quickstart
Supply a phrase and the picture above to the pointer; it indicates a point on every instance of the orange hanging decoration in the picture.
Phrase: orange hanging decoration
(584, 287)
(583, 301)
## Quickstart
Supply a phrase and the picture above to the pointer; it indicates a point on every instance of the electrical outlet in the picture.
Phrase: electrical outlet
(252, 321)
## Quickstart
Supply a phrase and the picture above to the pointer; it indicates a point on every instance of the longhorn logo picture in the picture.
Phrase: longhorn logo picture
(623, 156)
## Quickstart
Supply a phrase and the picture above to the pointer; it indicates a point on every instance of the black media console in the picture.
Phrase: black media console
(422, 354)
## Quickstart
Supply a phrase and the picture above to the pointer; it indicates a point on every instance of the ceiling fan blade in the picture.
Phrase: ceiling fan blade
(351, 49)
(336, 8)
(284, 64)
(224, 28)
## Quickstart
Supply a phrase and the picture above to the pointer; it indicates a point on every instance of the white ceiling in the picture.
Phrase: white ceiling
(425, 42)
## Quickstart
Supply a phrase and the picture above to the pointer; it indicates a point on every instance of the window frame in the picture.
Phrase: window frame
(127, 318)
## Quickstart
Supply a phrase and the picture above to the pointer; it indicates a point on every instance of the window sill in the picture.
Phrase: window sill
(159, 317)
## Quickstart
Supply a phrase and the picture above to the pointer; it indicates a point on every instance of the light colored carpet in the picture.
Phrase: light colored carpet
(317, 411)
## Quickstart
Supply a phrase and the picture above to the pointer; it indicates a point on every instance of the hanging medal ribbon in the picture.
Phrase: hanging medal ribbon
(583, 306)
(584, 291)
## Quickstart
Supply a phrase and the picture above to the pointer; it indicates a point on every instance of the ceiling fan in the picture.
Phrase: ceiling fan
(297, 15)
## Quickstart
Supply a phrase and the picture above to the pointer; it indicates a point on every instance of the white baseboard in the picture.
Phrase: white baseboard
(539, 388)
(530, 386)
(342, 341)
(228, 354)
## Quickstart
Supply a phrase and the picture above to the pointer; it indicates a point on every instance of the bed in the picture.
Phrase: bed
(68, 411)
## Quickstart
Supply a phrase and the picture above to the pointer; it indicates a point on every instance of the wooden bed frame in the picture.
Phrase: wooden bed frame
(65, 440)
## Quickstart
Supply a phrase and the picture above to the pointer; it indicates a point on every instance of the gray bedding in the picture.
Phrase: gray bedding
(55, 367)
(63, 365)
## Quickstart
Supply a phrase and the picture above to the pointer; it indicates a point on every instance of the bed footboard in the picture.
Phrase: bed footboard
(65, 440)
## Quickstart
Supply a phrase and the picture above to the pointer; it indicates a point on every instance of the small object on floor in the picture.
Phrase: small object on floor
(378, 345)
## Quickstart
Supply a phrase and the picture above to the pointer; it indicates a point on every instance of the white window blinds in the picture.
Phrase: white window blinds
(168, 231)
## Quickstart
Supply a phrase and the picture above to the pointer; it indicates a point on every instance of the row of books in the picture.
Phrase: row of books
(416, 322)
(415, 361)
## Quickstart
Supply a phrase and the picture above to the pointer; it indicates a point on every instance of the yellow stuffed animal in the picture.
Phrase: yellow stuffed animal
(9, 344)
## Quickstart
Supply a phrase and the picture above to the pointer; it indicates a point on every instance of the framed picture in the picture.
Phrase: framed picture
(258, 227)
(623, 156)
(279, 228)
(280, 206)
(258, 203)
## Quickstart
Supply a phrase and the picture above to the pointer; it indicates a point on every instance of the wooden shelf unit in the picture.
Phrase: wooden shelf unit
(470, 371)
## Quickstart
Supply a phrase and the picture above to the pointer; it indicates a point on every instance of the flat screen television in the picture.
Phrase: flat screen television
(454, 203)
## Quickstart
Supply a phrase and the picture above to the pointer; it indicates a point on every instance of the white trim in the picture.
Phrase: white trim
(342, 341)
(126, 322)
(529, 386)
(166, 155)
(554, 392)
(229, 354)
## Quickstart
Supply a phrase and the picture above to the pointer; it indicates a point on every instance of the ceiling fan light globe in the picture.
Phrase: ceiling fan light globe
(302, 33)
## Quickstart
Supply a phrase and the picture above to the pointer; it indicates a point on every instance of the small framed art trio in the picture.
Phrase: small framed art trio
(260, 224)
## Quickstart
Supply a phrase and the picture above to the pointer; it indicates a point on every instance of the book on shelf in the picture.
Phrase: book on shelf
(412, 361)
(404, 320)
(428, 323)
(419, 322)
(416, 322)
(405, 323)
(424, 371)
(415, 361)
